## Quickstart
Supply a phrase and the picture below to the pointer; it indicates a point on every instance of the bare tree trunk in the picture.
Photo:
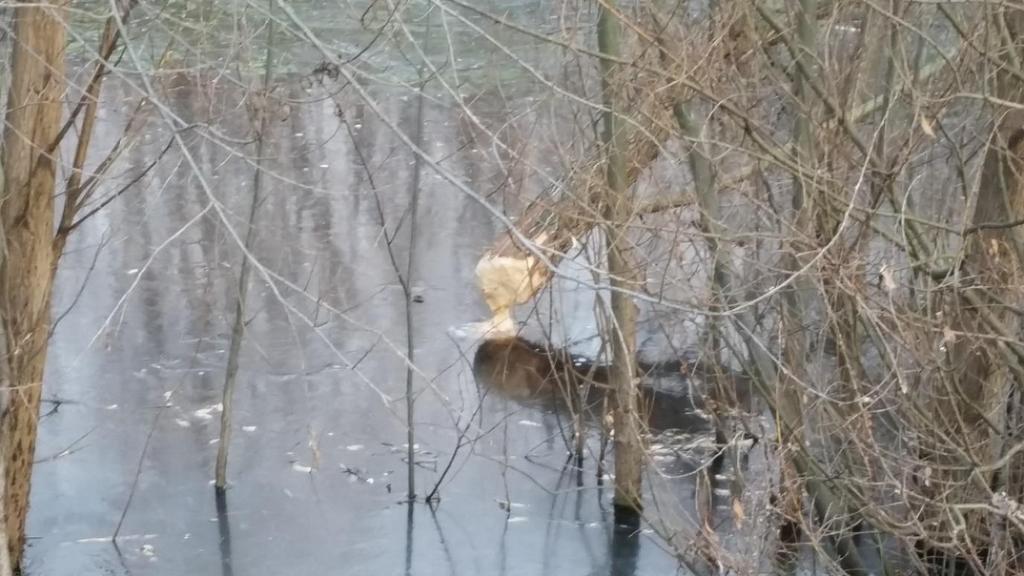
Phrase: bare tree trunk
(6, 569)
(972, 402)
(720, 276)
(795, 309)
(629, 450)
(34, 109)
(410, 332)
(77, 192)
(263, 113)
(978, 405)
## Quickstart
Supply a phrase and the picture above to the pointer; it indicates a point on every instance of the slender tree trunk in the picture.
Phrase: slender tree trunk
(795, 296)
(410, 333)
(629, 450)
(263, 113)
(6, 569)
(34, 110)
(720, 277)
(410, 268)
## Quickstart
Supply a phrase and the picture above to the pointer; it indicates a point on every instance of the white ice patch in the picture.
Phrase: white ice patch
(207, 412)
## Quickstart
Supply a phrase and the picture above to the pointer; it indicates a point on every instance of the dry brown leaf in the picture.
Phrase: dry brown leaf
(948, 335)
(887, 278)
(926, 127)
(737, 512)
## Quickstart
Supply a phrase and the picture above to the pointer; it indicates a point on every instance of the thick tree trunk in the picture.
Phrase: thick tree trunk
(977, 401)
(975, 405)
(6, 568)
(34, 110)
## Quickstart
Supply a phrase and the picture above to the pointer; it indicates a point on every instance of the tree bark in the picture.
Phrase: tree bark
(795, 296)
(6, 568)
(629, 450)
(34, 110)
(977, 403)
(262, 114)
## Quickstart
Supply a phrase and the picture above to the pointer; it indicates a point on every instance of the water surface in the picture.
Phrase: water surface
(145, 294)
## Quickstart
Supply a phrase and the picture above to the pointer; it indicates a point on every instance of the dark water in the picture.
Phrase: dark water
(145, 294)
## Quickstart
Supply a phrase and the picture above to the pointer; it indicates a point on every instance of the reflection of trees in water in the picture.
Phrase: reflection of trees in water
(317, 228)
(682, 442)
(224, 531)
(624, 549)
(328, 221)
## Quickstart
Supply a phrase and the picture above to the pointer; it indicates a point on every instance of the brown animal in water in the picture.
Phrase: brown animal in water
(552, 378)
